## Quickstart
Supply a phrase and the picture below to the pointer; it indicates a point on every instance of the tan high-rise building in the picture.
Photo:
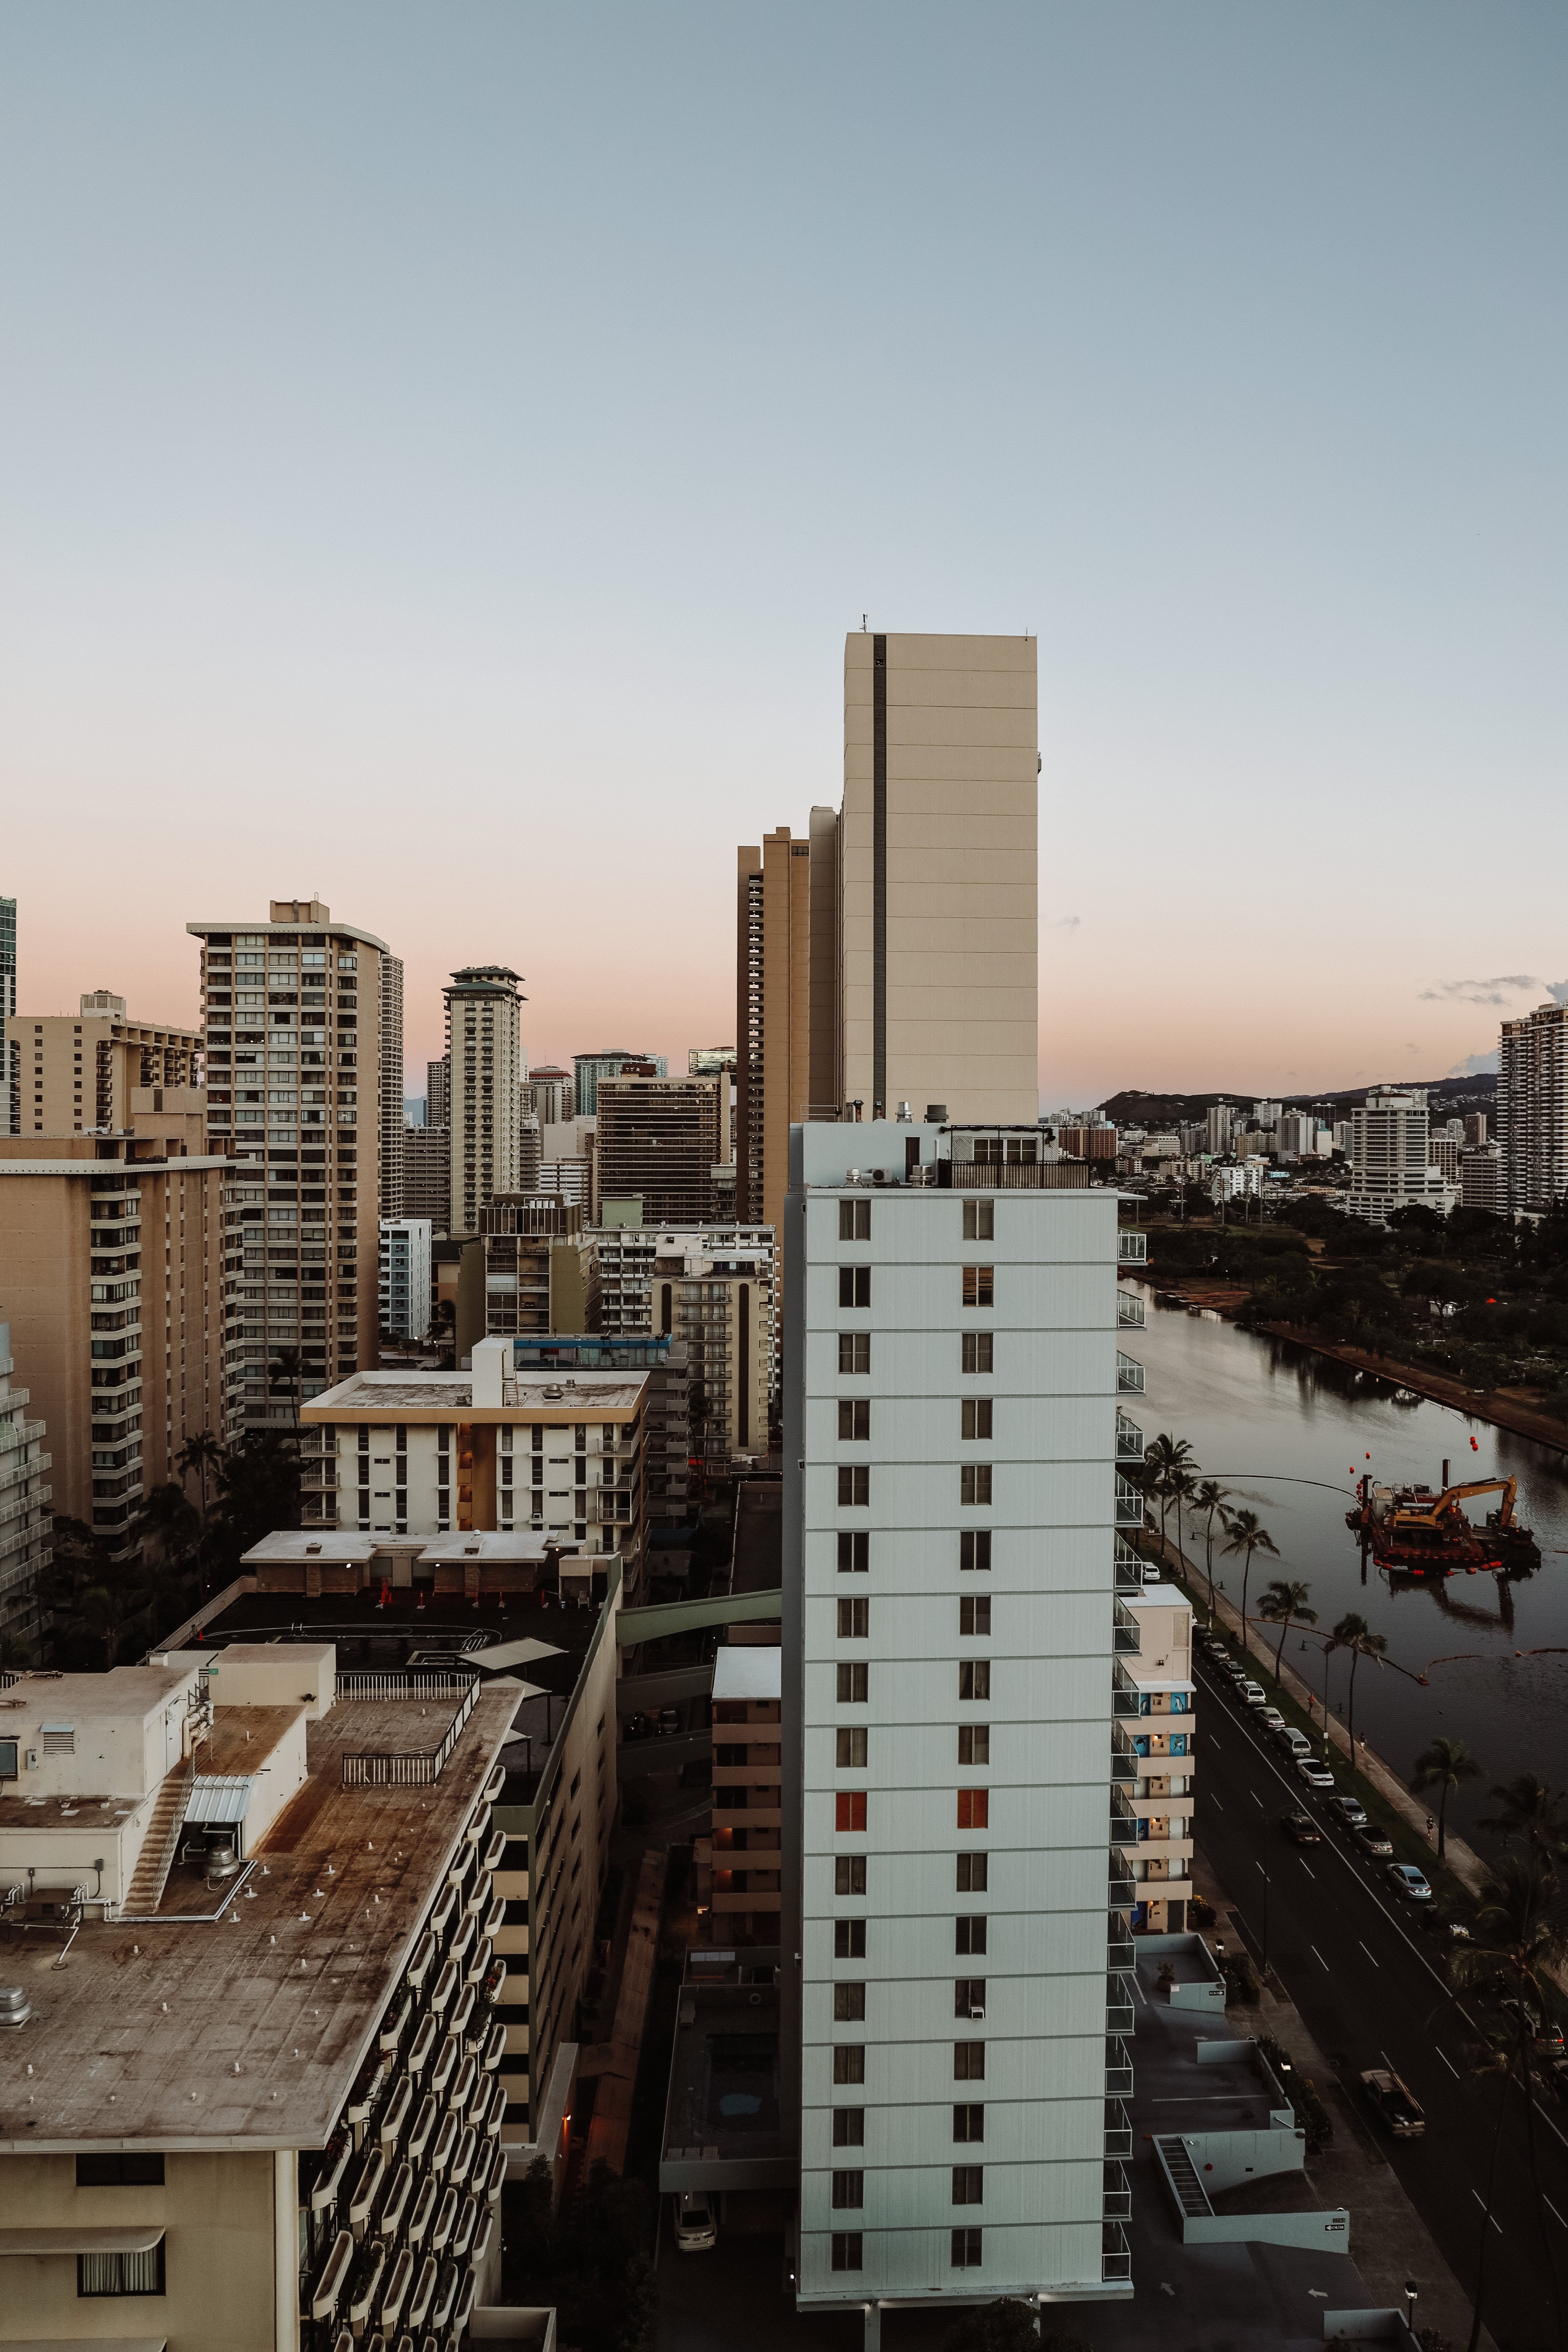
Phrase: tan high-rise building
(938, 949)
(115, 1293)
(80, 1071)
(484, 1069)
(772, 1018)
(660, 1141)
(293, 1013)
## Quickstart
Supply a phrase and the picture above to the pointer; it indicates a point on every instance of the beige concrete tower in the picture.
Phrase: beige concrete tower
(938, 892)
(774, 971)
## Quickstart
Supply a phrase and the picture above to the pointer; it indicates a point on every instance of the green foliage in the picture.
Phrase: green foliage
(1007, 2325)
(1241, 1982)
(1311, 2114)
(259, 1489)
(593, 2262)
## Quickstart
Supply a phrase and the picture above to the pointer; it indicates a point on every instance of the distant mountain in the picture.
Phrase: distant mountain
(1449, 1097)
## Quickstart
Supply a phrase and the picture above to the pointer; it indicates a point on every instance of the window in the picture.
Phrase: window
(121, 2273)
(969, 2062)
(979, 1285)
(974, 1870)
(973, 1485)
(969, 1997)
(849, 2062)
(977, 1351)
(851, 1750)
(849, 1811)
(849, 2126)
(855, 1418)
(973, 1743)
(850, 1875)
(973, 1678)
(119, 2172)
(847, 2249)
(849, 2191)
(849, 2004)
(855, 1285)
(973, 1808)
(979, 1220)
(848, 1939)
(854, 1553)
(969, 1936)
(854, 1620)
(855, 1486)
(969, 2122)
(968, 2184)
(974, 1553)
(854, 1352)
(974, 1616)
(852, 1686)
(854, 1220)
(966, 2250)
(975, 1417)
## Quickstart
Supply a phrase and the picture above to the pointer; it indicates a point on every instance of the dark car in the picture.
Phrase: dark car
(1373, 1840)
(1396, 2108)
(1350, 1810)
(637, 1728)
(668, 1721)
(1299, 1829)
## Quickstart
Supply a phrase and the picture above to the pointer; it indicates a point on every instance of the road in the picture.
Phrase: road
(1368, 1983)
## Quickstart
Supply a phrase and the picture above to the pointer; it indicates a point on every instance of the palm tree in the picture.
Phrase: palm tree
(1246, 1534)
(1284, 1604)
(1443, 1766)
(1166, 1455)
(1354, 1634)
(1530, 1812)
(1517, 1949)
(201, 1454)
(103, 1612)
(1183, 1487)
(1211, 1499)
(283, 1377)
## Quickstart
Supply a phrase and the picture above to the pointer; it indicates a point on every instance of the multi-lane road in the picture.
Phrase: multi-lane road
(1369, 1984)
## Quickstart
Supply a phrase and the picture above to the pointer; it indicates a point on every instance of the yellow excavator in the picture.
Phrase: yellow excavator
(1416, 1528)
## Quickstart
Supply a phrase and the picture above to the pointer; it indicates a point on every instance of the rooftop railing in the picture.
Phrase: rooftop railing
(408, 1768)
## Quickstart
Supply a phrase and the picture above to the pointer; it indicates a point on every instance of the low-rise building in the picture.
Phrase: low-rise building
(1163, 1759)
(664, 1361)
(405, 1276)
(1483, 1179)
(745, 1856)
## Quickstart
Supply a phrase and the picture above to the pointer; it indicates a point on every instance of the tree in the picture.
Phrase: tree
(103, 1613)
(1165, 1455)
(201, 1456)
(1284, 1604)
(16, 1655)
(1211, 1500)
(1182, 1487)
(167, 1515)
(283, 1377)
(1354, 1634)
(1443, 1766)
(1007, 2325)
(1246, 1534)
(1517, 1949)
(1529, 1812)
(259, 1489)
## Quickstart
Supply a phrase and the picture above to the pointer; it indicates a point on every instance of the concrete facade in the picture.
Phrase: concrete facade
(25, 1547)
(80, 1071)
(484, 1069)
(1532, 1107)
(772, 1018)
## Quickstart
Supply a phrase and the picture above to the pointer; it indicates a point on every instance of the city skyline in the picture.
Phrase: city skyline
(411, 471)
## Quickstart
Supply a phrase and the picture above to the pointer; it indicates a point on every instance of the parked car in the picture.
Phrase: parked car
(1316, 1775)
(1373, 1840)
(1254, 1694)
(696, 2231)
(1272, 1719)
(1407, 1880)
(1300, 1828)
(1395, 2107)
(639, 1726)
(1296, 1741)
(1545, 2037)
(1350, 1810)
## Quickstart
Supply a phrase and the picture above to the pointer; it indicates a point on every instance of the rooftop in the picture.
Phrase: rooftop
(544, 1396)
(748, 1670)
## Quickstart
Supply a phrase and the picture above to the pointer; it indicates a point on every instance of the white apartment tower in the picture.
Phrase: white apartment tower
(1389, 1159)
(954, 1893)
(1532, 1108)
(484, 1069)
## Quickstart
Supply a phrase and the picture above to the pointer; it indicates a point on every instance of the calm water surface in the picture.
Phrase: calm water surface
(1265, 1416)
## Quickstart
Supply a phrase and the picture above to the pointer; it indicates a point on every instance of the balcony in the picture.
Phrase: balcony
(1116, 2254)
(1130, 1309)
(1129, 1440)
(1128, 1374)
(1124, 1692)
(1119, 1950)
(1118, 2004)
(1117, 2131)
(1131, 1249)
(1128, 1568)
(1123, 1821)
(1121, 1885)
(1126, 1638)
(1129, 1503)
(1118, 2069)
(1123, 1756)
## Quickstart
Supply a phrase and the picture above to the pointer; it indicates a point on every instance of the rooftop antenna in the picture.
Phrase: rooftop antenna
(862, 624)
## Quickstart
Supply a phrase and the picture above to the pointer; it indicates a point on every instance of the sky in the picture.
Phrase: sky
(442, 449)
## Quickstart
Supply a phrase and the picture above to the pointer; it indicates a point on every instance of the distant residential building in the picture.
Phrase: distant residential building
(427, 1175)
(551, 1094)
(1298, 1133)
(1244, 1180)
(1219, 1125)
(1165, 1750)
(540, 1270)
(10, 1049)
(1483, 1179)
(661, 1138)
(392, 1118)
(80, 1072)
(1388, 1156)
(26, 1543)
(1343, 1135)
(414, 1110)
(484, 1057)
(772, 1019)
(743, 1856)
(1475, 1126)
(405, 1287)
(687, 1283)
(1094, 1142)
(666, 1436)
(530, 1152)
(1443, 1152)
(709, 1061)
(437, 1093)
(1267, 1114)
(589, 1068)
(1533, 1107)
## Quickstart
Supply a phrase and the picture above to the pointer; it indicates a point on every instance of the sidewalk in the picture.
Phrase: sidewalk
(1389, 2240)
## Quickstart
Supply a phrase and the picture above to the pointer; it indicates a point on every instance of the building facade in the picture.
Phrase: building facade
(953, 1843)
(540, 1271)
(392, 1112)
(743, 1861)
(439, 1093)
(772, 1019)
(659, 1139)
(1164, 1763)
(1483, 1179)
(484, 1056)
(80, 1072)
(405, 1277)
(1532, 1107)
(10, 1050)
(666, 1420)
(25, 1547)
(292, 1013)
(1390, 1167)
(427, 1175)
(935, 862)
(589, 1068)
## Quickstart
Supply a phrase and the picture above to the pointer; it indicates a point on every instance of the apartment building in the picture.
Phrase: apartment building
(403, 1287)
(1532, 1107)
(952, 1835)
(80, 1072)
(484, 1056)
(427, 1174)
(1389, 1165)
(26, 1542)
(392, 1112)
(709, 1061)
(439, 1092)
(551, 1094)
(10, 1050)
(714, 1287)
(664, 1362)
(118, 1266)
(540, 1270)
(1483, 1179)
(1443, 1153)
(1159, 1775)
(772, 1018)
(743, 1861)
(660, 1139)
(493, 1449)
(284, 1979)
(292, 1010)
(587, 1069)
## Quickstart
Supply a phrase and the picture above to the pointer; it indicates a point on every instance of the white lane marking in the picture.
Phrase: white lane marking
(1256, 1799)
(1449, 2062)
(1311, 1874)
(1492, 2218)
(1552, 2210)
(1317, 1956)
(1212, 1800)
(1370, 1956)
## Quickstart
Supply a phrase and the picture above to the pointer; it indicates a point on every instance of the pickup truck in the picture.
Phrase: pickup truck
(1395, 2108)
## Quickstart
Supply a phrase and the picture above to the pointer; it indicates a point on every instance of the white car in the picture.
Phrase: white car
(1255, 1695)
(1407, 1880)
(696, 2231)
(1271, 1717)
(1315, 1773)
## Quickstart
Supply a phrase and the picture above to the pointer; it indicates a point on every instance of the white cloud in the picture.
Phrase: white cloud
(1497, 991)
(1474, 1065)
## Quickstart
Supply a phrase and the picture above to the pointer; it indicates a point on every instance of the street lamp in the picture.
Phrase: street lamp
(1410, 2291)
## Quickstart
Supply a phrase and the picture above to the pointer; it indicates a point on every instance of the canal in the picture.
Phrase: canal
(1288, 1433)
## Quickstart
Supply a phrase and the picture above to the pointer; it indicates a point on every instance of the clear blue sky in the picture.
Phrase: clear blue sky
(445, 446)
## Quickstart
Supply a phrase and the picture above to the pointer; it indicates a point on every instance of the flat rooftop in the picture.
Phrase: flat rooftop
(367, 1396)
(247, 2029)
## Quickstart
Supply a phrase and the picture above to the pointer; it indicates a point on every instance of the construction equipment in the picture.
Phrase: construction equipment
(1424, 1531)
